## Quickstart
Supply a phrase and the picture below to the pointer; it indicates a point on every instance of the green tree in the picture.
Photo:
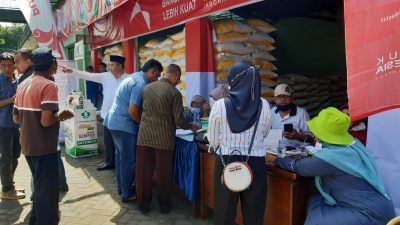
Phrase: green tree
(9, 37)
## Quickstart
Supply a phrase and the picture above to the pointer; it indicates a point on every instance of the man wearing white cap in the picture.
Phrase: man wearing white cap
(110, 81)
(290, 118)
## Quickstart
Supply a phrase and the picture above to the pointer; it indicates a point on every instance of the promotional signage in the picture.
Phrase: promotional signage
(75, 15)
(79, 50)
(81, 133)
(138, 17)
(373, 56)
(40, 19)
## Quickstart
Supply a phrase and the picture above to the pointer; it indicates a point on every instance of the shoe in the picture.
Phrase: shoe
(20, 190)
(105, 167)
(12, 194)
(131, 199)
(144, 210)
(63, 188)
(165, 210)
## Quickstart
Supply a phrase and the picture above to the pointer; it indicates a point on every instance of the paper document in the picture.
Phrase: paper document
(183, 132)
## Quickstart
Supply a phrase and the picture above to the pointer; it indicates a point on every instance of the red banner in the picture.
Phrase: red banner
(40, 19)
(75, 15)
(373, 56)
(138, 17)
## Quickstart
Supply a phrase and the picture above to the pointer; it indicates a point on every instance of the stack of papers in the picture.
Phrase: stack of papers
(187, 135)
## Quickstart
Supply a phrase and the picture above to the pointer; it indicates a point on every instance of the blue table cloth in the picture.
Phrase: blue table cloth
(186, 168)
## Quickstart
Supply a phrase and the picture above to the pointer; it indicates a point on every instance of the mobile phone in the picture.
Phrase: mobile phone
(288, 127)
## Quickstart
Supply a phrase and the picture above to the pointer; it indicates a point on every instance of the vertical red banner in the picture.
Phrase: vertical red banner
(200, 77)
(373, 55)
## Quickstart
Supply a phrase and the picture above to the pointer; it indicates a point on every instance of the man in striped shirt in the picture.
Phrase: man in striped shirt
(36, 110)
(162, 113)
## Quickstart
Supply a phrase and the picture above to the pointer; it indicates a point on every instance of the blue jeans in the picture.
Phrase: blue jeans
(125, 162)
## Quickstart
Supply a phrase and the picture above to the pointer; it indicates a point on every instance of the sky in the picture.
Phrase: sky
(5, 24)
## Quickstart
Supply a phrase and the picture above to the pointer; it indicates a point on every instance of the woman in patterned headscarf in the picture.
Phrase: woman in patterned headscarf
(232, 122)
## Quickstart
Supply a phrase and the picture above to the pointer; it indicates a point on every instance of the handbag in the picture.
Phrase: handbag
(238, 176)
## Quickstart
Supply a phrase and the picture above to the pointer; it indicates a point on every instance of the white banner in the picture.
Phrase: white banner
(65, 84)
(384, 143)
(40, 19)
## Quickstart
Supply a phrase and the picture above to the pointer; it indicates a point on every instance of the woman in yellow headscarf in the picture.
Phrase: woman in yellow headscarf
(351, 191)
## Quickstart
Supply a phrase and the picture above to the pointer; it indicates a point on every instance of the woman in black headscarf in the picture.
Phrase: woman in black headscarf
(232, 123)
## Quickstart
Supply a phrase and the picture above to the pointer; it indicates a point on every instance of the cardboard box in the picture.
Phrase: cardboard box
(81, 134)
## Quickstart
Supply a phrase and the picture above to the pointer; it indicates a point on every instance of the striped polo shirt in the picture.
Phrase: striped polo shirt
(162, 114)
(34, 95)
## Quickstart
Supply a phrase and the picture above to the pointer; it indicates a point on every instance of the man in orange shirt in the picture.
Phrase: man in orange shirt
(36, 110)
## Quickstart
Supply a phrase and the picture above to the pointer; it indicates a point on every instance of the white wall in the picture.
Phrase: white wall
(384, 142)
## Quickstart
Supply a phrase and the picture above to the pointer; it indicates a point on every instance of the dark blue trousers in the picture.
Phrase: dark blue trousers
(109, 147)
(45, 185)
(125, 162)
(10, 150)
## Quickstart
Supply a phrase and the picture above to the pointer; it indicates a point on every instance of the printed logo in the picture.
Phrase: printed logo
(85, 114)
(388, 64)
(146, 15)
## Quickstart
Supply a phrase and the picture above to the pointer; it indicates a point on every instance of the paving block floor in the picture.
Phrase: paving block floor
(92, 199)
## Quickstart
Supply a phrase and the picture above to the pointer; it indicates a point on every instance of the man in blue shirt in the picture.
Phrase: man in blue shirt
(10, 148)
(123, 121)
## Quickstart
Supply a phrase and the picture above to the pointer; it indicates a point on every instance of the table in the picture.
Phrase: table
(286, 199)
(186, 167)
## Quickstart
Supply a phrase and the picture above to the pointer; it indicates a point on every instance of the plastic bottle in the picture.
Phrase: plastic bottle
(281, 149)
(196, 119)
(80, 106)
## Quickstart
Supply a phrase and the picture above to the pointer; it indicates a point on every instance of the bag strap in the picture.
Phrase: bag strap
(251, 142)
(254, 132)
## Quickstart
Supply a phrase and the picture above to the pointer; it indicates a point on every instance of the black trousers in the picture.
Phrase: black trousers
(109, 148)
(252, 200)
(45, 185)
(148, 159)
(10, 151)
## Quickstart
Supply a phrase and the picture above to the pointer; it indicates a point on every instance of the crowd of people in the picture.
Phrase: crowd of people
(30, 121)
(141, 112)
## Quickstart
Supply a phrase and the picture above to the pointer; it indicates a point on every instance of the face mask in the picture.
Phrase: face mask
(196, 111)
(284, 108)
(212, 101)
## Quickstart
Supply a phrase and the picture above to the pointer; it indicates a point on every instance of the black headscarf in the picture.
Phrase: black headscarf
(243, 101)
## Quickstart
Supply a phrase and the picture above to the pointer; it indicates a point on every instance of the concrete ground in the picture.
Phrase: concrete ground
(93, 199)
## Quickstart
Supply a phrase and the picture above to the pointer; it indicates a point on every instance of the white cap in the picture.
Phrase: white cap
(283, 89)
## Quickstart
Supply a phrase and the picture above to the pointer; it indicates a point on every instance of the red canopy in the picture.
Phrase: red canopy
(75, 15)
(136, 18)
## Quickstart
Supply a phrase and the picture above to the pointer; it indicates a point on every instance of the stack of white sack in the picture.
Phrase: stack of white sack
(167, 51)
(250, 40)
(317, 92)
